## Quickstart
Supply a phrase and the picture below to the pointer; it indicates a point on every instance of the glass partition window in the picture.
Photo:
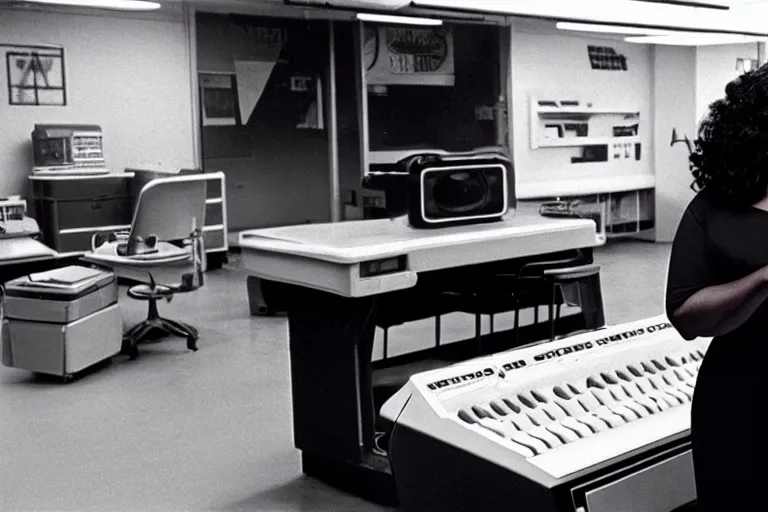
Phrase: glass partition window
(430, 88)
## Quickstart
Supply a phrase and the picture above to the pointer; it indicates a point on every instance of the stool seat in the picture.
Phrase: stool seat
(147, 292)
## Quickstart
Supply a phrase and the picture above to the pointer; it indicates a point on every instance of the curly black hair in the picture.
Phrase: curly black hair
(730, 155)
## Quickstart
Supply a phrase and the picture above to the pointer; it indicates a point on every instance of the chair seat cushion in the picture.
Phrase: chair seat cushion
(165, 253)
(145, 291)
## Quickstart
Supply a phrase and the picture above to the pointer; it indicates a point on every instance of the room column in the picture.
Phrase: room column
(333, 140)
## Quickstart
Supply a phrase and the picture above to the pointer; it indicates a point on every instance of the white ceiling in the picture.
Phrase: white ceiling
(743, 16)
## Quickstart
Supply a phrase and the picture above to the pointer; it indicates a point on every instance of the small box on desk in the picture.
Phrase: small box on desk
(61, 326)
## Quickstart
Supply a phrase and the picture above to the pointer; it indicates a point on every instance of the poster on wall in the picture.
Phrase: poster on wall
(218, 98)
(255, 63)
(415, 56)
(35, 75)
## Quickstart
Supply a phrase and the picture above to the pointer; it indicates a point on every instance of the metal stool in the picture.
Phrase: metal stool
(579, 286)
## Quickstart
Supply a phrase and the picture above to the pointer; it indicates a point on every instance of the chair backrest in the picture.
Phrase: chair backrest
(169, 208)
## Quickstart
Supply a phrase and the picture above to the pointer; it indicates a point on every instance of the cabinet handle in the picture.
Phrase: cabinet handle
(96, 206)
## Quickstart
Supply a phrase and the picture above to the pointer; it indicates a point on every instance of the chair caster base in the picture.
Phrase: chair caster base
(154, 329)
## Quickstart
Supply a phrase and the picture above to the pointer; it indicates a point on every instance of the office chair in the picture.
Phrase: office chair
(165, 238)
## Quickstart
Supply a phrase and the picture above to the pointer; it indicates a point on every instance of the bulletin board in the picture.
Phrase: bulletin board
(218, 98)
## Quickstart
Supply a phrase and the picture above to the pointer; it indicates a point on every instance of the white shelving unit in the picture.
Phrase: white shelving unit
(575, 112)
(621, 202)
(570, 142)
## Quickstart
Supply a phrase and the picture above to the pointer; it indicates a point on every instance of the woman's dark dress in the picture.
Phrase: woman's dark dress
(716, 245)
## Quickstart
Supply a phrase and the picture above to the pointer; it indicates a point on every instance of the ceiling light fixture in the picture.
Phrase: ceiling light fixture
(373, 5)
(121, 5)
(706, 4)
(746, 18)
(612, 29)
(694, 39)
(402, 20)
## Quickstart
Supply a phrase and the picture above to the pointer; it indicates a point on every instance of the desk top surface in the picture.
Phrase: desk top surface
(355, 241)
(23, 249)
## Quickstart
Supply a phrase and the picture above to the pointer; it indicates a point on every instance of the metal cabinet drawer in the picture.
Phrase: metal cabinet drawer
(63, 189)
(95, 213)
(79, 241)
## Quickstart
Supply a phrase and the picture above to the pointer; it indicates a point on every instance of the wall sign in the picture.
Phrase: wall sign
(606, 58)
(35, 75)
(416, 50)
(412, 56)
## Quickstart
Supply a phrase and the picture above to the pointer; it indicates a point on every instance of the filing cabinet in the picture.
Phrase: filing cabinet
(70, 209)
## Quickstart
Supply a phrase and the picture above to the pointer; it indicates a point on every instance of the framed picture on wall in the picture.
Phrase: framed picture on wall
(218, 99)
(35, 75)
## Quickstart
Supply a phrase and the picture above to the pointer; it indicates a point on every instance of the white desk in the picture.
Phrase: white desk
(328, 257)
(22, 255)
(23, 249)
(317, 272)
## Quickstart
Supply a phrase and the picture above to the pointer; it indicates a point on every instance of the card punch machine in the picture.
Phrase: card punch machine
(60, 322)
(456, 188)
(68, 150)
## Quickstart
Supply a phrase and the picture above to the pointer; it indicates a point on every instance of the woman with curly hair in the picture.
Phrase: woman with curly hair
(717, 286)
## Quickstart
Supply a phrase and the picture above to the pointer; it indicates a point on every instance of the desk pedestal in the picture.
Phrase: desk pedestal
(334, 412)
(331, 345)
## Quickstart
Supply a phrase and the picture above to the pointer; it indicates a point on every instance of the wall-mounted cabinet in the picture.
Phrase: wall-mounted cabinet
(616, 214)
(612, 133)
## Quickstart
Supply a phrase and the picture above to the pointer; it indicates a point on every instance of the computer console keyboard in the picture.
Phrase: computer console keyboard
(562, 413)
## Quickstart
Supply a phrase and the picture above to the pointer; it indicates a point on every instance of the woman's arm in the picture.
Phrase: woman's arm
(719, 309)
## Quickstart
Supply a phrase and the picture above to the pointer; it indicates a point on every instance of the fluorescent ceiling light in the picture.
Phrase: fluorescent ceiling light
(742, 19)
(612, 29)
(707, 4)
(373, 5)
(694, 39)
(122, 5)
(404, 20)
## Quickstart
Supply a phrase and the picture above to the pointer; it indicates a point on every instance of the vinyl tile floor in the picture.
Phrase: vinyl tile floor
(211, 430)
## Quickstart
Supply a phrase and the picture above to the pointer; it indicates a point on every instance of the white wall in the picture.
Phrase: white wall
(129, 75)
(715, 67)
(550, 63)
(674, 86)
(686, 81)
